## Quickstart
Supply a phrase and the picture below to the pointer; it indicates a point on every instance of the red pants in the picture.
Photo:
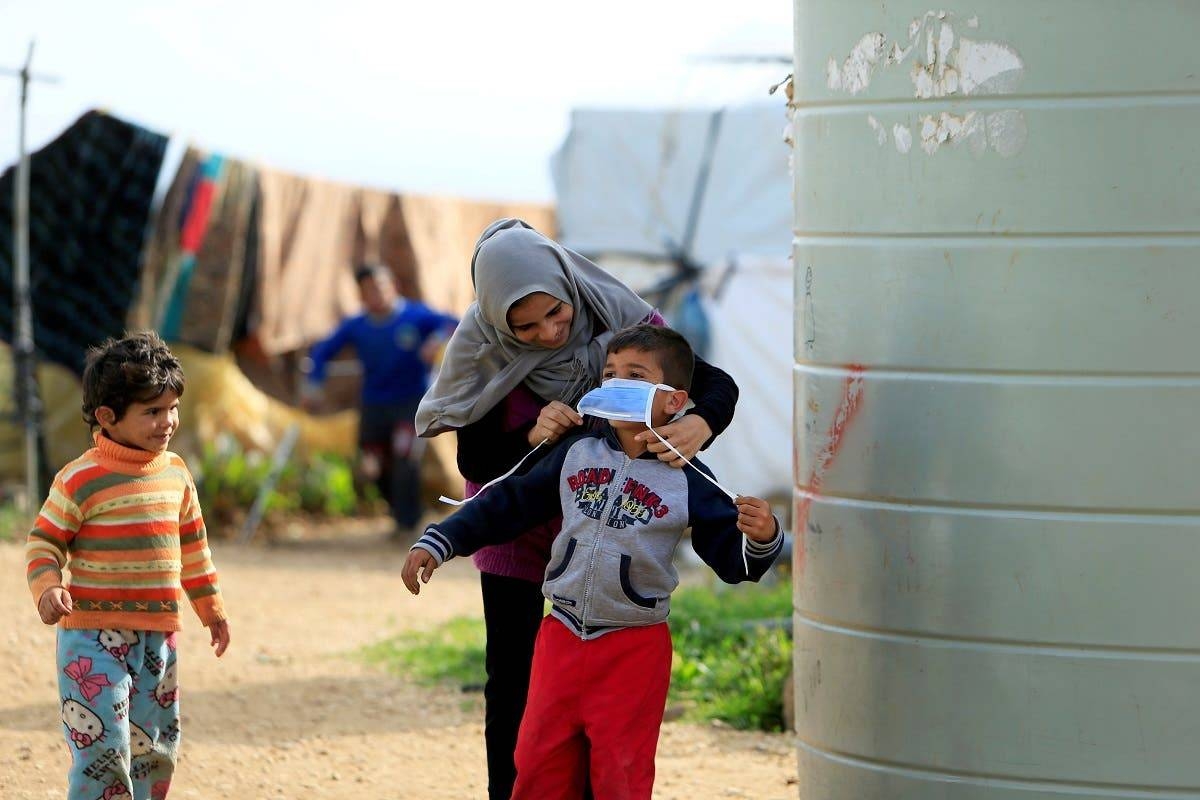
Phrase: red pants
(604, 698)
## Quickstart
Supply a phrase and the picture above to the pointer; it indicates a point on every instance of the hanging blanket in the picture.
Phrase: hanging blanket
(89, 202)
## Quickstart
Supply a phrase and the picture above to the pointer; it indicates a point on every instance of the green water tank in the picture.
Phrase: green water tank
(997, 388)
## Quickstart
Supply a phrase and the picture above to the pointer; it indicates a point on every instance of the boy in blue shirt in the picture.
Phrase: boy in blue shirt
(396, 341)
(602, 662)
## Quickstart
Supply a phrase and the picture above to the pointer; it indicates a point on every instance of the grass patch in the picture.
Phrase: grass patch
(733, 652)
(452, 653)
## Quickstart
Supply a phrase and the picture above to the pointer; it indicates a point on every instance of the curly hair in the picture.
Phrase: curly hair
(135, 369)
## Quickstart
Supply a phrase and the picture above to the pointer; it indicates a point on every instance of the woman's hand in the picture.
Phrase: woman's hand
(687, 435)
(555, 419)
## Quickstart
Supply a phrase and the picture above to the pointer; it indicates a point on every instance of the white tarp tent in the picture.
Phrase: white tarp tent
(625, 183)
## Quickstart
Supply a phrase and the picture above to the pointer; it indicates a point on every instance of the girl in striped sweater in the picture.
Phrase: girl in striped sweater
(124, 520)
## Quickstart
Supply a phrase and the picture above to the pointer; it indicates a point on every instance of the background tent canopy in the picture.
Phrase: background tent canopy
(625, 181)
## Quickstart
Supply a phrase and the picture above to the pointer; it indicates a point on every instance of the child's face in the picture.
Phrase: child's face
(640, 365)
(145, 426)
(378, 293)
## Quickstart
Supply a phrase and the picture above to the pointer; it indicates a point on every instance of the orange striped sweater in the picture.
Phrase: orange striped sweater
(126, 524)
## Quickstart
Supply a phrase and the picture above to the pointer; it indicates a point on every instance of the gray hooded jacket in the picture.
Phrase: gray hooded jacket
(611, 565)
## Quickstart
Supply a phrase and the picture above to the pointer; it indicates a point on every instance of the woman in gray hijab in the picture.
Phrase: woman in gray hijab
(531, 345)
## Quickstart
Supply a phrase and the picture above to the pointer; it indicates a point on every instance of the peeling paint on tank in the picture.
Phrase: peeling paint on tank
(1004, 132)
(854, 74)
(988, 67)
(953, 66)
(965, 66)
(1007, 132)
(945, 43)
(939, 129)
(881, 135)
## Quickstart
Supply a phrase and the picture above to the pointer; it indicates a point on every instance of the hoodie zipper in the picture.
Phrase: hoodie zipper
(591, 570)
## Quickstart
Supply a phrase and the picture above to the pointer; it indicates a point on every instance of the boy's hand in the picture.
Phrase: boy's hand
(54, 604)
(431, 349)
(220, 636)
(687, 435)
(755, 518)
(555, 419)
(418, 561)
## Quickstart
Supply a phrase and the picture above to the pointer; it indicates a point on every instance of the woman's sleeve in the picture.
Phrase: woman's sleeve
(486, 450)
(715, 395)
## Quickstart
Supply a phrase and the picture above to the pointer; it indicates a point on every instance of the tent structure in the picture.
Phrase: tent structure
(705, 190)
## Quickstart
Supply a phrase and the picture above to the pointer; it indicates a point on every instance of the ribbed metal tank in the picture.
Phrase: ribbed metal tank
(997, 384)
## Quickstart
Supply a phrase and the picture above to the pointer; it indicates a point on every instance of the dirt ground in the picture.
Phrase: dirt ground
(287, 714)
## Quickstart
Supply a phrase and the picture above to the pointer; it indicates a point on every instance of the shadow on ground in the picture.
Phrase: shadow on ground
(296, 709)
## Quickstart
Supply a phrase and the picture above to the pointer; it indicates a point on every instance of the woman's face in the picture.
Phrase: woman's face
(542, 320)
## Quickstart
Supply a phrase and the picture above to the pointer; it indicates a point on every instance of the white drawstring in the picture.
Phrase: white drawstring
(493, 481)
(713, 481)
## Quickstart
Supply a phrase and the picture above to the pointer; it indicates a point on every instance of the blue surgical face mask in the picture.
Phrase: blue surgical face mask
(617, 399)
(622, 400)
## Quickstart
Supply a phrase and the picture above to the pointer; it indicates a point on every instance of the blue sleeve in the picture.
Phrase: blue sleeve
(329, 347)
(716, 538)
(432, 322)
(502, 512)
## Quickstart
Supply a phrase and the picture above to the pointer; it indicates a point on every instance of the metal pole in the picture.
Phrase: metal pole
(24, 379)
(283, 451)
(23, 348)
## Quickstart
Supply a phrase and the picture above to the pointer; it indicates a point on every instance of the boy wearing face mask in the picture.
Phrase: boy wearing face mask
(602, 663)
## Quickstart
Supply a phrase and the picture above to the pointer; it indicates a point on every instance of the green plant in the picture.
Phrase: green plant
(733, 652)
(326, 485)
(227, 477)
(229, 480)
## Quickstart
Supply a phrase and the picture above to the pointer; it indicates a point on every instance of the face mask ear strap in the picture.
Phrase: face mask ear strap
(713, 481)
(493, 481)
(648, 410)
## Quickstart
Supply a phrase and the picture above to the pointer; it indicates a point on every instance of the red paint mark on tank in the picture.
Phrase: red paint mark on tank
(847, 409)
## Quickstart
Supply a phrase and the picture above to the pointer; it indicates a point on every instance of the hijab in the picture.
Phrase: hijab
(484, 360)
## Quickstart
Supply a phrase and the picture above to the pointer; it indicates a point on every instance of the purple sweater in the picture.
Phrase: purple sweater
(526, 556)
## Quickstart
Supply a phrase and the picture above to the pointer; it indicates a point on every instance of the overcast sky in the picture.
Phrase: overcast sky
(465, 98)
